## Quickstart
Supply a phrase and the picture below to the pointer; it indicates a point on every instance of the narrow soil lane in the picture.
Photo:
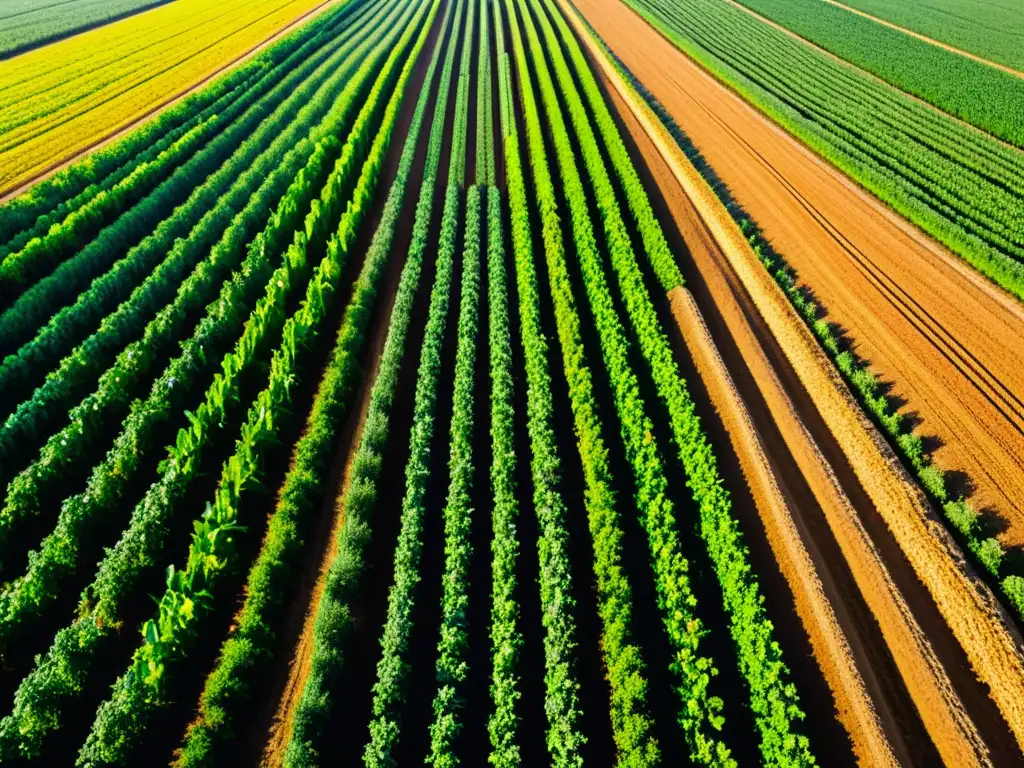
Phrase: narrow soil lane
(948, 341)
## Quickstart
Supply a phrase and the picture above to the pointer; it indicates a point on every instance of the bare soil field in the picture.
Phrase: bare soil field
(946, 339)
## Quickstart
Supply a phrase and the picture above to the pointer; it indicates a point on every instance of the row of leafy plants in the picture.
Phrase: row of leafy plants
(167, 639)
(562, 706)
(125, 567)
(774, 698)
(334, 623)
(391, 687)
(245, 655)
(632, 725)
(105, 167)
(506, 631)
(144, 330)
(452, 664)
(506, 635)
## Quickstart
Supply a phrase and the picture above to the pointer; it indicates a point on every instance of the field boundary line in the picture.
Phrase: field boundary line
(170, 101)
(930, 40)
(978, 621)
(857, 711)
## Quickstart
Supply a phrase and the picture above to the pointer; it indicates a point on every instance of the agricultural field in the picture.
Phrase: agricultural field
(30, 23)
(960, 186)
(990, 30)
(978, 93)
(57, 100)
(413, 392)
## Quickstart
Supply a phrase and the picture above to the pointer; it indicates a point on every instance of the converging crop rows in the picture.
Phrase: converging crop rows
(346, 420)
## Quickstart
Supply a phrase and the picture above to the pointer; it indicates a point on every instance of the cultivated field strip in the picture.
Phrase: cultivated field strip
(77, 90)
(460, 473)
(28, 25)
(975, 91)
(959, 185)
(928, 541)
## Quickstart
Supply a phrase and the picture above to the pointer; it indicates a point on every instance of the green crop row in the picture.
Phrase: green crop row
(80, 513)
(223, 229)
(485, 163)
(452, 649)
(506, 633)
(558, 605)
(333, 617)
(389, 690)
(773, 696)
(75, 648)
(632, 725)
(190, 592)
(452, 667)
(250, 647)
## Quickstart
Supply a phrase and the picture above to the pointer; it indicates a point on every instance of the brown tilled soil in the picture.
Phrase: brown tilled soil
(946, 339)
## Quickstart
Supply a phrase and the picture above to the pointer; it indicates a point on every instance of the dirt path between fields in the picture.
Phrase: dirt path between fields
(929, 40)
(903, 524)
(324, 548)
(872, 740)
(103, 141)
(948, 340)
(810, 519)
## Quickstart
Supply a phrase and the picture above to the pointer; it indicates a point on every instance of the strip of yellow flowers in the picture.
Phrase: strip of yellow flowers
(60, 99)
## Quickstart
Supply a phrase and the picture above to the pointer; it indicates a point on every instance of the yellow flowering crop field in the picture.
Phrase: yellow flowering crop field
(62, 98)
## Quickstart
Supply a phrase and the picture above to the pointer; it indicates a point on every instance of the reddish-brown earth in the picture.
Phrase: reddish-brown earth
(947, 340)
